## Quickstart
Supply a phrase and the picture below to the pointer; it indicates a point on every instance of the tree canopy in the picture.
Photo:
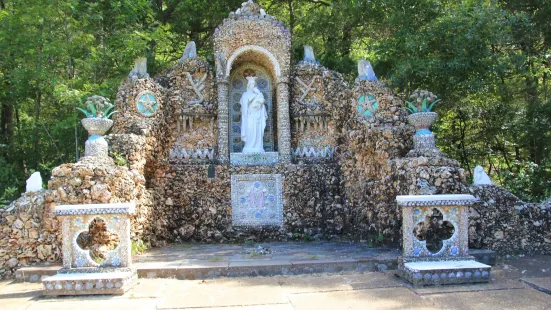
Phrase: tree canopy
(488, 60)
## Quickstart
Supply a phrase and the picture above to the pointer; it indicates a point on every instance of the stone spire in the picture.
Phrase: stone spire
(309, 54)
(140, 69)
(250, 8)
(365, 71)
(190, 51)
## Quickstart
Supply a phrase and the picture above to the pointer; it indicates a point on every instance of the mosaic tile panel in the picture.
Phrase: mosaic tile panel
(257, 200)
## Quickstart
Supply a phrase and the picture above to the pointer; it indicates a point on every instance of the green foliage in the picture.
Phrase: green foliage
(487, 60)
(138, 247)
(302, 237)
(119, 159)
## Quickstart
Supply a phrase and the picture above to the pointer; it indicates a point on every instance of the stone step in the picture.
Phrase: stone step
(445, 272)
(101, 283)
(166, 268)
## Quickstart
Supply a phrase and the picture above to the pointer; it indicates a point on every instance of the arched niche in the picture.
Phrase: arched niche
(252, 61)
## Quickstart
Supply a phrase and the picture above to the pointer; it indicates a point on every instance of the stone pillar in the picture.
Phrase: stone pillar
(283, 120)
(223, 119)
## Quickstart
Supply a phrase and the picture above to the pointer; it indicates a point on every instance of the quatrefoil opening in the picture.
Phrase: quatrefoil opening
(98, 240)
(434, 230)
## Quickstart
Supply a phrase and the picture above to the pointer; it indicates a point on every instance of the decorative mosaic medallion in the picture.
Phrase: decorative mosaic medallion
(256, 200)
(367, 105)
(146, 103)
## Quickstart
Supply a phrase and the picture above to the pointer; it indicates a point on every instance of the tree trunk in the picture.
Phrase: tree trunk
(291, 16)
(38, 101)
(6, 124)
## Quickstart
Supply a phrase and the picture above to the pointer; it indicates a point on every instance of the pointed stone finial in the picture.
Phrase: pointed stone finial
(34, 183)
(140, 69)
(365, 71)
(190, 51)
(309, 54)
(481, 177)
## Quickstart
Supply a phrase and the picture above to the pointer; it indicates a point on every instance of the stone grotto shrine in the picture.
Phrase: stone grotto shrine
(259, 147)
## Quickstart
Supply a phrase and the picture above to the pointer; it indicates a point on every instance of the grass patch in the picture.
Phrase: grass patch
(216, 259)
(138, 247)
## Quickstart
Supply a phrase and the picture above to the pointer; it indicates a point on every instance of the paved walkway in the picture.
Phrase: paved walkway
(517, 284)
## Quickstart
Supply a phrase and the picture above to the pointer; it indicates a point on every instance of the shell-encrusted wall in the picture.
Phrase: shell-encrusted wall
(140, 103)
(317, 98)
(191, 116)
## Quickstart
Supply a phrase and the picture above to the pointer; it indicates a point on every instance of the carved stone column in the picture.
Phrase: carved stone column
(223, 119)
(283, 119)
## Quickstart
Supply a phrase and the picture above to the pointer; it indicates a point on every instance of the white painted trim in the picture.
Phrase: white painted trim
(420, 198)
(246, 48)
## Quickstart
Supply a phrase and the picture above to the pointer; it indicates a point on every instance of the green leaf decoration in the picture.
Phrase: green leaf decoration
(108, 109)
(432, 105)
(424, 105)
(85, 112)
(92, 109)
(110, 114)
(412, 107)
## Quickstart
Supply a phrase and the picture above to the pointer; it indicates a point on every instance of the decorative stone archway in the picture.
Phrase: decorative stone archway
(256, 55)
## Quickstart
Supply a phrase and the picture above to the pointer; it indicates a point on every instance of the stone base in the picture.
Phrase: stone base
(100, 283)
(96, 146)
(424, 145)
(444, 272)
(254, 159)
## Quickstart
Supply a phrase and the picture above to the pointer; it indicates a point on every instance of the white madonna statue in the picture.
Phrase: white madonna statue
(253, 118)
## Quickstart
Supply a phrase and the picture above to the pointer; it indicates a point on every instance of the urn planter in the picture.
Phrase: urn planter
(424, 143)
(422, 121)
(96, 144)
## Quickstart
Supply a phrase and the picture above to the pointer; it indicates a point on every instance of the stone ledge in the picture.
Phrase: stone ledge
(435, 200)
(445, 272)
(254, 159)
(96, 209)
(108, 283)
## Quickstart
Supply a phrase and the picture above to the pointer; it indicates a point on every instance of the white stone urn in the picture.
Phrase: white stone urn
(96, 144)
(422, 121)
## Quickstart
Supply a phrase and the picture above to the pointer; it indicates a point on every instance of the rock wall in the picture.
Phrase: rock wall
(28, 232)
(196, 207)
(375, 141)
(504, 223)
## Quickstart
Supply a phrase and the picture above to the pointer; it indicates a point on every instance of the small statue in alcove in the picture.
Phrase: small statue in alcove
(253, 118)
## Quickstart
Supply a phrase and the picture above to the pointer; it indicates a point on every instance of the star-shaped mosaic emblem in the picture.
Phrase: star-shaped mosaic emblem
(147, 104)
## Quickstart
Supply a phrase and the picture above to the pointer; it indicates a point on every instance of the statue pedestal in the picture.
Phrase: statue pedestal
(424, 145)
(254, 159)
(450, 264)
